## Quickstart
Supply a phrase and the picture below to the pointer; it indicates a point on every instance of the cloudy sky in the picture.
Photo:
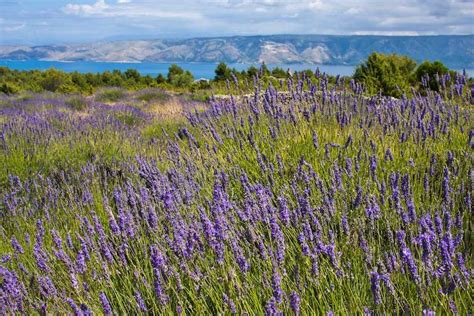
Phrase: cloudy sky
(73, 21)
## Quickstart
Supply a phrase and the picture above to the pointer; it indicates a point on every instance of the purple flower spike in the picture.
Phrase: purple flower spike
(295, 303)
(105, 304)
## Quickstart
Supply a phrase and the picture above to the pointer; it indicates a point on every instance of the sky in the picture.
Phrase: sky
(37, 22)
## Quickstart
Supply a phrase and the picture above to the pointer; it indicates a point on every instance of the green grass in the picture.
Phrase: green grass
(59, 170)
(110, 95)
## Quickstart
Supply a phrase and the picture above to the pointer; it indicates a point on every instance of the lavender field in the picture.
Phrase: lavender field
(305, 198)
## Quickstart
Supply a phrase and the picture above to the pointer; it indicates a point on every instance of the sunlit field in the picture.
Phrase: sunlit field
(303, 198)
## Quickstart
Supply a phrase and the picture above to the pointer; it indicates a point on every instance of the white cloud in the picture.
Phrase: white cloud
(13, 28)
(84, 20)
(126, 9)
(85, 9)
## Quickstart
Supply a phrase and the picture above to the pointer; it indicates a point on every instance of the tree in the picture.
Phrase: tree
(8, 88)
(80, 81)
(178, 77)
(54, 79)
(222, 72)
(388, 74)
(431, 71)
(160, 78)
(132, 74)
(252, 71)
(264, 71)
(278, 72)
(183, 80)
(173, 71)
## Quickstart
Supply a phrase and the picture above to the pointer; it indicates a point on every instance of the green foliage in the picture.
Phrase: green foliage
(279, 72)
(160, 78)
(178, 77)
(264, 71)
(127, 117)
(54, 80)
(132, 74)
(387, 74)
(77, 103)
(222, 72)
(174, 71)
(8, 88)
(252, 71)
(431, 71)
(111, 95)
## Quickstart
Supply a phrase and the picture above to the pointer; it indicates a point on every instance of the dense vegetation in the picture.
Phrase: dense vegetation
(177, 79)
(305, 198)
(390, 75)
(394, 75)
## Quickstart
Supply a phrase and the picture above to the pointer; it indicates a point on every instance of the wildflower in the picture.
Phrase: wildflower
(105, 304)
(375, 287)
(230, 303)
(276, 286)
(295, 302)
(140, 302)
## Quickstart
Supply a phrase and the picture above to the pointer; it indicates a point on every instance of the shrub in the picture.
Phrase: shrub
(77, 103)
(112, 95)
(387, 74)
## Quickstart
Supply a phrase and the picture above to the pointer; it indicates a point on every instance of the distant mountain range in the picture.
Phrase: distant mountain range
(456, 51)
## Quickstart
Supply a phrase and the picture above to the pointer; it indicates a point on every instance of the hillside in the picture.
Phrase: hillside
(455, 51)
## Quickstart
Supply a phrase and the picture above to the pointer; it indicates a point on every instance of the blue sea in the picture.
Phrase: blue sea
(199, 70)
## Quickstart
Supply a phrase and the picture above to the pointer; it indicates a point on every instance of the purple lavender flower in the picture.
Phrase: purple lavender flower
(230, 303)
(407, 257)
(315, 140)
(372, 210)
(304, 246)
(239, 257)
(348, 167)
(279, 238)
(284, 211)
(295, 303)
(85, 310)
(411, 209)
(16, 246)
(375, 287)
(276, 286)
(158, 261)
(388, 283)
(388, 155)
(373, 164)
(160, 293)
(105, 304)
(47, 287)
(427, 312)
(140, 302)
(271, 308)
(74, 307)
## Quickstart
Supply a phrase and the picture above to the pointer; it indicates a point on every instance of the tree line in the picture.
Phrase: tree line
(391, 75)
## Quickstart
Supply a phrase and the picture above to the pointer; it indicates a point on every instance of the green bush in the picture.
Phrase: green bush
(77, 103)
(9, 88)
(432, 70)
(112, 95)
(387, 74)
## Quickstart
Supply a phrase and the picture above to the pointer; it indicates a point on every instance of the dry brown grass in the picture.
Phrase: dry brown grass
(173, 108)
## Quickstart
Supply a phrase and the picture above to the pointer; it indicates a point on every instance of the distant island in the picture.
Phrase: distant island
(455, 51)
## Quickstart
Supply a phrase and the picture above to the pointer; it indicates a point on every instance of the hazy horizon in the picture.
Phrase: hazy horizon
(125, 39)
(29, 22)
